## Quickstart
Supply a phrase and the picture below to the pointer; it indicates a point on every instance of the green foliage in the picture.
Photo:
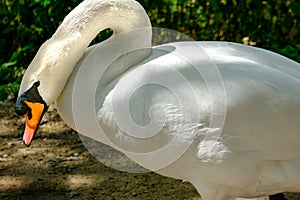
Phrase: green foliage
(25, 25)
(271, 25)
(274, 25)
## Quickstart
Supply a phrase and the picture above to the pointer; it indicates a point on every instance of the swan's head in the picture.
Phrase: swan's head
(42, 84)
(48, 73)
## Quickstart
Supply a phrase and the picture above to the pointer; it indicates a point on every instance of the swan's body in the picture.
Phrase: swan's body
(258, 150)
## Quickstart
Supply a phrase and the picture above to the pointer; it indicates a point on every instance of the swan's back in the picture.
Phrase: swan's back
(232, 51)
(263, 99)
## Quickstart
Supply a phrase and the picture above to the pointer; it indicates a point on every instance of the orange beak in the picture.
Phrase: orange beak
(33, 118)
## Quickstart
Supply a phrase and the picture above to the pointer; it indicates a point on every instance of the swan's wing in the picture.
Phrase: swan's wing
(263, 101)
(147, 102)
(262, 98)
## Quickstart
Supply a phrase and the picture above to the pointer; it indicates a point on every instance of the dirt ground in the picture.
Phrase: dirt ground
(58, 166)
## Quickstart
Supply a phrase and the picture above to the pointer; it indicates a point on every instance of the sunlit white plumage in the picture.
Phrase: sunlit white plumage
(257, 153)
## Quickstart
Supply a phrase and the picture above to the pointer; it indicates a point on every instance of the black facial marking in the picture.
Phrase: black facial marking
(31, 95)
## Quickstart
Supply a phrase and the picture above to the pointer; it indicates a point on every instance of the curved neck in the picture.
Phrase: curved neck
(90, 17)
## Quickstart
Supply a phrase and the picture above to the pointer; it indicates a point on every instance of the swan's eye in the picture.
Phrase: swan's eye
(36, 84)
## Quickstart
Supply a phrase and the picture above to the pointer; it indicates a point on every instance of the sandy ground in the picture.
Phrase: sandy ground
(58, 166)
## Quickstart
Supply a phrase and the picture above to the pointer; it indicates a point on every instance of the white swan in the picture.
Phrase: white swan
(257, 152)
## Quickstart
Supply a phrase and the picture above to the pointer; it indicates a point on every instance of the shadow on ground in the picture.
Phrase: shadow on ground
(58, 166)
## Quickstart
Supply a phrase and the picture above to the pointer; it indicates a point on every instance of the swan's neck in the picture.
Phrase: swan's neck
(83, 24)
(57, 57)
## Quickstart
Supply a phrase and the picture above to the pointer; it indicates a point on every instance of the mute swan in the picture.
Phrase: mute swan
(253, 97)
